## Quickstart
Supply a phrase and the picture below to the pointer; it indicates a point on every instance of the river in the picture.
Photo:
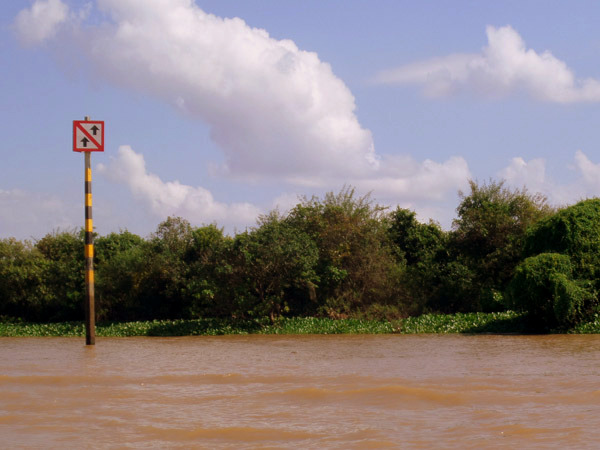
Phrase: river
(339, 392)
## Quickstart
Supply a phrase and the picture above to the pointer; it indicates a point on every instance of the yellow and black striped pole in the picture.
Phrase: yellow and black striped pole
(90, 313)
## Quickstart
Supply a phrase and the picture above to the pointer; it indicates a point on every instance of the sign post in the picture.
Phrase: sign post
(88, 136)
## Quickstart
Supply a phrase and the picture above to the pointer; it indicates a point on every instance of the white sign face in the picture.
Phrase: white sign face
(88, 135)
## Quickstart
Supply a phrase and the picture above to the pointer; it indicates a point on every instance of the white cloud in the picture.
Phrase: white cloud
(403, 178)
(196, 204)
(41, 21)
(439, 76)
(277, 112)
(25, 215)
(505, 65)
(533, 175)
(286, 201)
(589, 171)
(404, 182)
(274, 110)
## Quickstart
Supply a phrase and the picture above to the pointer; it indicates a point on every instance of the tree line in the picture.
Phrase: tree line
(338, 256)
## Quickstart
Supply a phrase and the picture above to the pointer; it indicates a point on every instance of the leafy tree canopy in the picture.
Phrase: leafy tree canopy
(573, 231)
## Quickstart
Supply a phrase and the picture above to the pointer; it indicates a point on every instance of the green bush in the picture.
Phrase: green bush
(565, 295)
(573, 231)
(270, 262)
(488, 235)
(542, 286)
(208, 289)
(421, 254)
(22, 275)
(119, 261)
(570, 299)
(63, 275)
(356, 267)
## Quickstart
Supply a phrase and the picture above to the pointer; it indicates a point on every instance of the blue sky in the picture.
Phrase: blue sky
(218, 120)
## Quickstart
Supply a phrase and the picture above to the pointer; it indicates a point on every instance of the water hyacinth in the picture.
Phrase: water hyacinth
(499, 322)
(468, 323)
(591, 327)
(504, 322)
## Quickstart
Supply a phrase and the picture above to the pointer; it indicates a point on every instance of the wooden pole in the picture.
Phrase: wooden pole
(90, 309)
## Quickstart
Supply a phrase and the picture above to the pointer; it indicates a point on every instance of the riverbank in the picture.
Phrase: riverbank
(504, 322)
(471, 323)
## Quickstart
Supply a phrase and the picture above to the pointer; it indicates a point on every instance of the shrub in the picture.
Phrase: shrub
(63, 275)
(22, 288)
(489, 233)
(570, 298)
(356, 266)
(421, 253)
(271, 261)
(543, 287)
(573, 231)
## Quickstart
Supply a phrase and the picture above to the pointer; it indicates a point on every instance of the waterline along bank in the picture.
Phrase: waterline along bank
(503, 322)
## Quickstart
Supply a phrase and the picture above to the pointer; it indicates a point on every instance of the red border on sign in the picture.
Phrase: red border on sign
(79, 124)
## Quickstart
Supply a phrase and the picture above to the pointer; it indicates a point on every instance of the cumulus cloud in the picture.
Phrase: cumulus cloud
(505, 65)
(404, 178)
(533, 175)
(41, 21)
(277, 112)
(274, 109)
(25, 214)
(589, 171)
(404, 182)
(173, 198)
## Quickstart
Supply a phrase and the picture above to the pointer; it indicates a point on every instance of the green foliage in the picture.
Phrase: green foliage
(338, 257)
(63, 275)
(155, 278)
(497, 322)
(24, 329)
(356, 266)
(565, 297)
(488, 236)
(22, 287)
(422, 248)
(120, 281)
(417, 242)
(590, 326)
(570, 299)
(165, 276)
(382, 312)
(573, 231)
(273, 261)
(107, 247)
(455, 287)
(506, 322)
(208, 289)
(148, 278)
(118, 262)
(321, 325)
(535, 286)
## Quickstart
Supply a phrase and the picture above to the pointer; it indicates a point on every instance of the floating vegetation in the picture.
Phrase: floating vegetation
(504, 322)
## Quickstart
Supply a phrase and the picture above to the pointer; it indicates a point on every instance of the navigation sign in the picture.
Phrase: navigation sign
(88, 135)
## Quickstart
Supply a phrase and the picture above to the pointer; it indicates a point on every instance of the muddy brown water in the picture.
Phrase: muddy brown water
(422, 391)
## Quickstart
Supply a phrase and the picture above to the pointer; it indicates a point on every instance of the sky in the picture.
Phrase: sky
(219, 111)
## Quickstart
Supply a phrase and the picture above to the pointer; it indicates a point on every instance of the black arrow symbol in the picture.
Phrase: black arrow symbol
(94, 129)
(85, 141)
